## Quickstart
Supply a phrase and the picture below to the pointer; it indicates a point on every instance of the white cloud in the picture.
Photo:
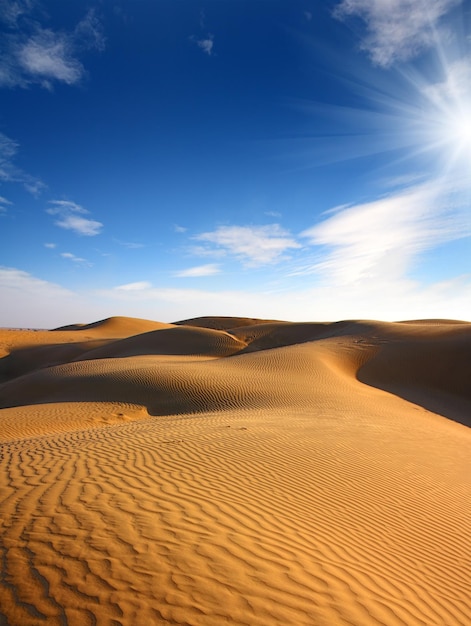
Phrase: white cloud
(200, 270)
(137, 286)
(204, 251)
(205, 44)
(397, 30)
(254, 245)
(378, 241)
(50, 245)
(17, 279)
(48, 56)
(70, 217)
(180, 229)
(75, 259)
(37, 55)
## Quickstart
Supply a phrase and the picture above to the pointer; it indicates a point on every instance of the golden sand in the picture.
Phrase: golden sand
(236, 471)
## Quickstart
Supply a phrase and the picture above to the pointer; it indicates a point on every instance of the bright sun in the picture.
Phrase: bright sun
(459, 129)
(449, 114)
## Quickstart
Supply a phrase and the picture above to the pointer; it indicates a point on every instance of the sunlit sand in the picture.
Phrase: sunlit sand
(236, 471)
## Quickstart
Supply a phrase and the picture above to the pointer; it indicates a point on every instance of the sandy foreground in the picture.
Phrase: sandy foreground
(236, 471)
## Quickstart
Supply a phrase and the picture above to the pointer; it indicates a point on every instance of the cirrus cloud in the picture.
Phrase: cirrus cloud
(199, 271)
(140, 285)
(378, 241)
(70, 217)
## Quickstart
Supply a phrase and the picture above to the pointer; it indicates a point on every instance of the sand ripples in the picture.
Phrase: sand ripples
(268, 487)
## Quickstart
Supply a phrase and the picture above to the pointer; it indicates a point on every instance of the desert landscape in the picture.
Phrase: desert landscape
(225, 470)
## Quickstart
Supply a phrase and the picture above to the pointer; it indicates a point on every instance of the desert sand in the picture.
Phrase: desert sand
(236, 471)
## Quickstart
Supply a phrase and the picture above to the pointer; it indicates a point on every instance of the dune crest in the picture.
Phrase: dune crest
(117, 326)
(238, 471)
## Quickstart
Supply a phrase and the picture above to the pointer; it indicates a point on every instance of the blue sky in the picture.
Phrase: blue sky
(288, 159)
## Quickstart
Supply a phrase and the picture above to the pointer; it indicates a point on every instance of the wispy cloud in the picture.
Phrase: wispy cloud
(141, 285)
(4, 203)
(18, 279)
(12, 10)
(378, 241)
(37, 55)
(45, 57)
(88, 34)
(70, 217)
(180, 229)
(10, 173)
(26, 299)
(200, 270)
(206, 43)
(131, 245)
(51, 246)
(397, 30)
(75, 259)
(254, 245)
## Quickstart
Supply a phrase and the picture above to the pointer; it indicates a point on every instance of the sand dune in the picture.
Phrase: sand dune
(115, 327)
(236, 471)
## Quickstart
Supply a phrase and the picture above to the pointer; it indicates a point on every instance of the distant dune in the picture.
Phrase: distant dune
(225, 470)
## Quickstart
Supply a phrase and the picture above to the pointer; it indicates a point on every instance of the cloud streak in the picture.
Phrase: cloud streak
(4, 203)
(377, 241)
(70, 217)
(133, 287)
(199, 271)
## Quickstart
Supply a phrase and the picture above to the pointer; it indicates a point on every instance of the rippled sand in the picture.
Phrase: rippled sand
(236, 471)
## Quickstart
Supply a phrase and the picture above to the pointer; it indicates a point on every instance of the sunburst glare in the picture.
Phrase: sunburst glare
(416, 112)
(449, 114)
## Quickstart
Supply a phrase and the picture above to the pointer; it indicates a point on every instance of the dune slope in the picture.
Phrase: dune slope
(236, 471)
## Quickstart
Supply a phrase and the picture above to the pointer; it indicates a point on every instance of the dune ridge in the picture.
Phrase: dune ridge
(234, 470)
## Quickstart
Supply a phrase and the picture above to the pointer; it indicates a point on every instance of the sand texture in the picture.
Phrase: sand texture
(236, 471)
